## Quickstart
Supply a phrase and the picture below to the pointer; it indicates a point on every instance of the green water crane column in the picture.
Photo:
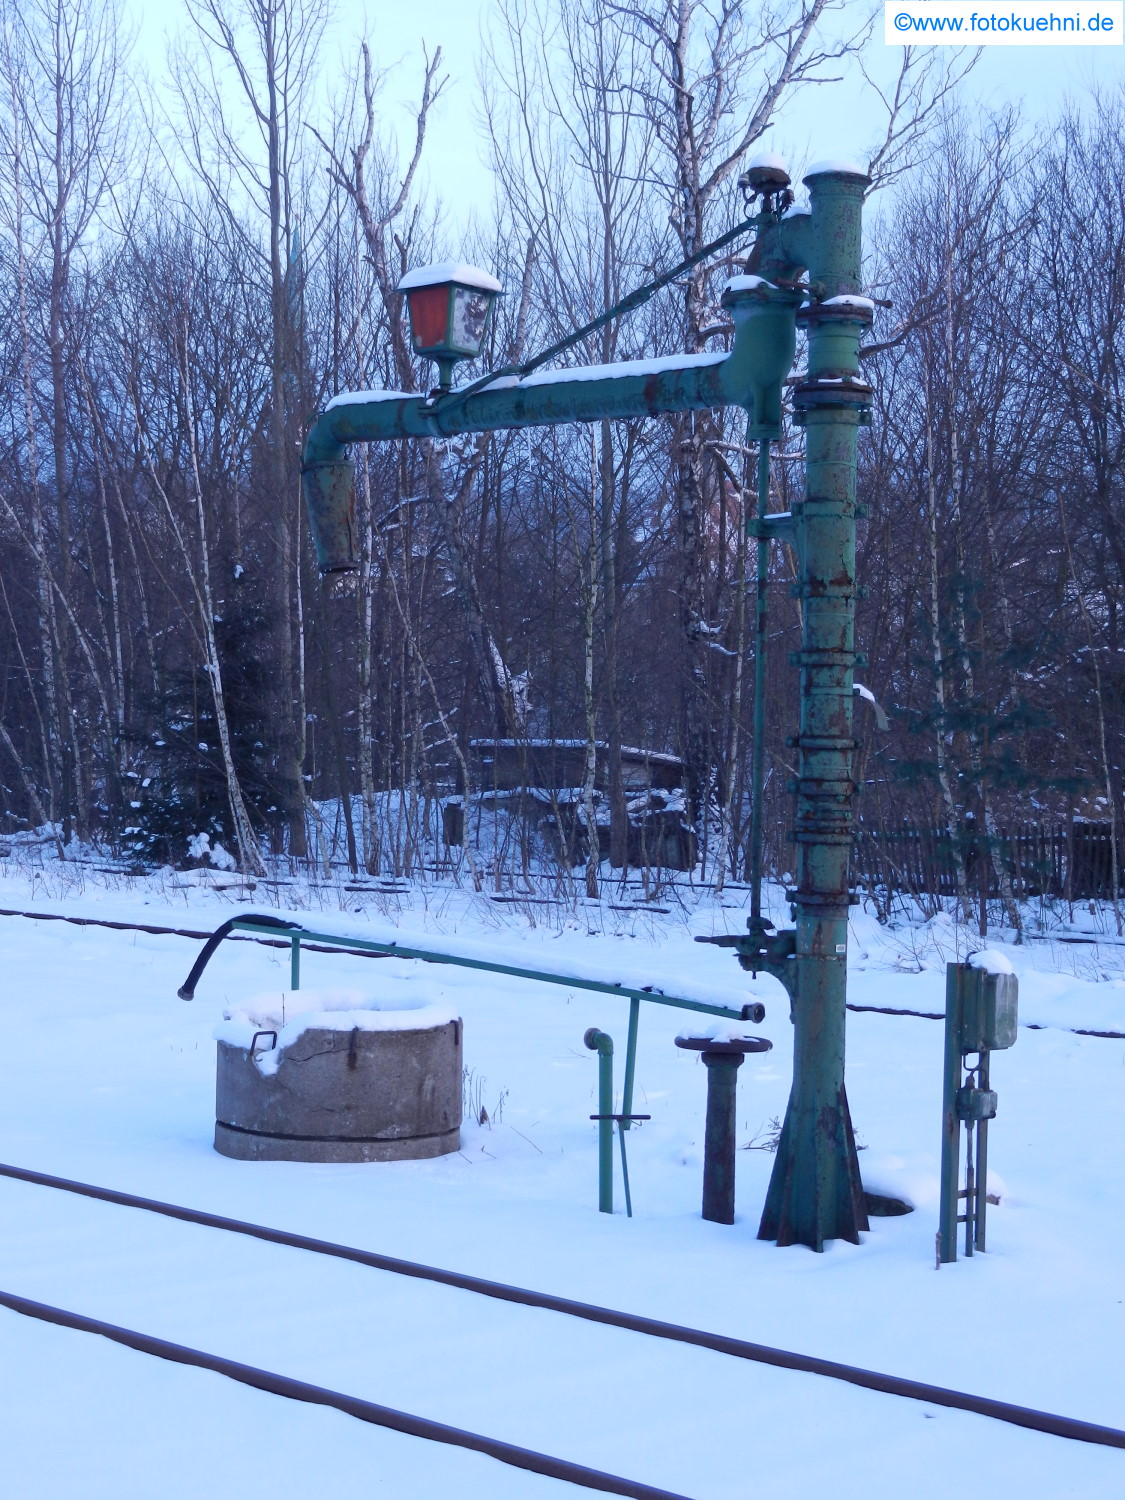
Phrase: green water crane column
(815, 1193)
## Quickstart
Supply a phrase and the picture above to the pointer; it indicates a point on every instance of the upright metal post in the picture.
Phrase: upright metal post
(295, 962)
(630, 1066)
(950, 1121)
(722, 1061)
(602, 1044)
(815, 1193)
(719, 1141)
(981, 1017)
(758, 750)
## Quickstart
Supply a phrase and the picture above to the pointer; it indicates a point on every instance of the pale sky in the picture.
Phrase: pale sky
(830, 120)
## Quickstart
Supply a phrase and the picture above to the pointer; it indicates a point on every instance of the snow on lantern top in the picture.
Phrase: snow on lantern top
(767, 176)
(449, 306)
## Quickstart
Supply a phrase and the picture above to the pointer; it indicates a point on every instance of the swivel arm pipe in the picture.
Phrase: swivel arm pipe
(750, 376)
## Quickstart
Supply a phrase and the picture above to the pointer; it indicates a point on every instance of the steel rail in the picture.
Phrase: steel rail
(1072, 1428)
(352, 1406)
(184, 932)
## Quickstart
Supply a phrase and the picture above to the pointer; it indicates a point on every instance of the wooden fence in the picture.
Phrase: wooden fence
(1074, 862)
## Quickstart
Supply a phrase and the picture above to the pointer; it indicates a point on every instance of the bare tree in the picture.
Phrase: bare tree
(246, 94)
(64, 152)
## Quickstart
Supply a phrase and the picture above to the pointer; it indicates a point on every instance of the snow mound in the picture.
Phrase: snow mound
(992, 961)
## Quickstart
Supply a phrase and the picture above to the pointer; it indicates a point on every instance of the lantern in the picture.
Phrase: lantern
(449, 306)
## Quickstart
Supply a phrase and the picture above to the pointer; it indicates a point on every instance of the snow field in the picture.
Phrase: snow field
(108, 1078)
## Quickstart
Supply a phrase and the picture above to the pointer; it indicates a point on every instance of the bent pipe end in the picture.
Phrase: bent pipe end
(328, 487)
(186, 990)
(765, 341)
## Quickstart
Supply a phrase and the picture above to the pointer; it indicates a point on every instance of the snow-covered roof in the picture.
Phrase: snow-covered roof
(449, 270)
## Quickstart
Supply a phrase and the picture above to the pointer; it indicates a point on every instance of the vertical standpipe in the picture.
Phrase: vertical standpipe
(761, 631)
(815, 1193)
(601, 1043)
(722, 1059)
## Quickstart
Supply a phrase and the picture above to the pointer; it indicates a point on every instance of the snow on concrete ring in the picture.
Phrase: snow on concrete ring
(348, 1080)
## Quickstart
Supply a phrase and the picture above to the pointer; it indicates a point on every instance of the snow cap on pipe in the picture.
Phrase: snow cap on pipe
(836, 165)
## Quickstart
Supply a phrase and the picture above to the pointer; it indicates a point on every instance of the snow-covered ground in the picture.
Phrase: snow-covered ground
(107, 1077)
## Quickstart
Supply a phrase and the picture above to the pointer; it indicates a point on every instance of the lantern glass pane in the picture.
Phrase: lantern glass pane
(470, 315)
(429, 315)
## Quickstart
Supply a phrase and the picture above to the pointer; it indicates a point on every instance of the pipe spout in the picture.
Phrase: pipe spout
(328, 487)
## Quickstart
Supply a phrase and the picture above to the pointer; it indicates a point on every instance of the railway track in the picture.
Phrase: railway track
(149, 1335)
(427, 1428)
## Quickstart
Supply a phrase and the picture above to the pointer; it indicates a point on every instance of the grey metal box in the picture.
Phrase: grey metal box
(989, 1006)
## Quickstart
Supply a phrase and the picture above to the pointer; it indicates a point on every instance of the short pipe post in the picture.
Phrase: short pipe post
(602, 1044)
(719, 1139)
(722, 1059)
(295, 962)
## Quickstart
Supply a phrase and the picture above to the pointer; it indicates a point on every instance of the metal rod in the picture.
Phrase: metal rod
(758, 756)
(628, 304)
(295, 961)
(625, 1169)
(970, 1188)
(980, 1208)
(630, 1065)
